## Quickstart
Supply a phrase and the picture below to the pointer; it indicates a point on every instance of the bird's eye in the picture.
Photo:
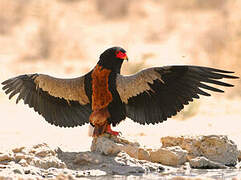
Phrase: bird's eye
(120, 55)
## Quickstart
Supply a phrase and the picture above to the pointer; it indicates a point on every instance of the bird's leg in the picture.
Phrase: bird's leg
(99, 119)
(110, 131)
(99, 130)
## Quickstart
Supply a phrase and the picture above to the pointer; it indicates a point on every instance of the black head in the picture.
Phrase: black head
(113, 58)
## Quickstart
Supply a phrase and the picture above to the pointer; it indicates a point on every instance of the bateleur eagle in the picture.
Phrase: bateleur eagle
(104, 97)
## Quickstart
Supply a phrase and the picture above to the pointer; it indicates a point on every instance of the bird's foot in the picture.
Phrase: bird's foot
(110, 131)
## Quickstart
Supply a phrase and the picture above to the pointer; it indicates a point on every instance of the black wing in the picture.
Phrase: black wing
(155, 94)
(61, 102)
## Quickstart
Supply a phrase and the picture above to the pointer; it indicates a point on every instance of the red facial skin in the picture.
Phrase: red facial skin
(120, 55)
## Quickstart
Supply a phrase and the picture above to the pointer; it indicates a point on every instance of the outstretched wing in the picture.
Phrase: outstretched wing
(62, 102)
(155, 94)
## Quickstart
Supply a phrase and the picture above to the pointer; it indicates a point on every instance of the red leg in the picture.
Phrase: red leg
(110, 131)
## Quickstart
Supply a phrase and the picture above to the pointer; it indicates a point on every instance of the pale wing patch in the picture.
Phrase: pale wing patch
(69, 89)
(129, 86)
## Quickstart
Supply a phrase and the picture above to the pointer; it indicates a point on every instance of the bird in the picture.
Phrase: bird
(104, 97)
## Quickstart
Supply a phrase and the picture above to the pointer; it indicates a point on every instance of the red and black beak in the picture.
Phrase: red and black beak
(126, 57)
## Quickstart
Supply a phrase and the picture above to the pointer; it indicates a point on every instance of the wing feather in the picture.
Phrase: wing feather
(70, 89)
(61, 102)
(155, 94)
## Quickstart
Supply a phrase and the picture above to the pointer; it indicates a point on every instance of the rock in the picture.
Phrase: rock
(18, 171)
(123, 164)
(143, 154)
(190, 144)
(172, 156)
(28, 157)
(46, 163)
(19, 156)
(88, 157)
(112, 145)
(219, 149)
(40, 155)
(18, 149)
(23, 163)
(44, 152)
(109, 145)
(116, 156)
(27, 171)
(239, 155)
(216, 148)
(64, 177)
(191, 178)
(40, 145)
(204, 163)
(132, 151)
(105, 146)
(6, 157)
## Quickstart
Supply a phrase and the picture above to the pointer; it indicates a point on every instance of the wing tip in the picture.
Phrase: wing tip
(231, 77)
(5, 82)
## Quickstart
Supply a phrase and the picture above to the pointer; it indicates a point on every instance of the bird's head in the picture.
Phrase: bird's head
(113, 58)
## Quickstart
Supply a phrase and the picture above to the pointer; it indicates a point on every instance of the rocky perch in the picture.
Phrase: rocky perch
(116, 156)
(201, 151)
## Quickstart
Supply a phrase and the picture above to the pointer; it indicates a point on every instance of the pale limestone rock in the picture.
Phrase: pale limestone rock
(143, 154)
(18, 156)
(190, 144)
(172, 156)
(6, 157)
(130, 150)
(204, 163)
(216, 148)
(45, 163)
(88, 157)
(112, 145)
(44, 152)
(40, 145)
(18, 149)
(109, 145)
(40, 155)
(23, 163)
(105, 146)
(28, 158)
(219, 149)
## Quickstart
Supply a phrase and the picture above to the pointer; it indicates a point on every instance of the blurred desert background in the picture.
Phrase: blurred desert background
(64, 38)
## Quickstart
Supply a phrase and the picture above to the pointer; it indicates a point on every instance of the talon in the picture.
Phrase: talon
(110, 131)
